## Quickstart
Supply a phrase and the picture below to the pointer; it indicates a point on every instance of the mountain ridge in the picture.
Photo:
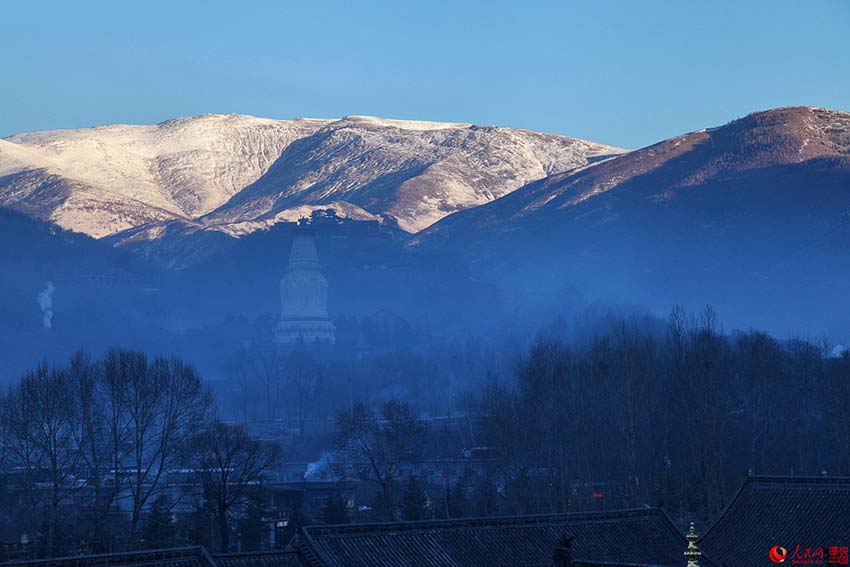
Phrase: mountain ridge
(108, 179)
(752, 217)
(761, 139)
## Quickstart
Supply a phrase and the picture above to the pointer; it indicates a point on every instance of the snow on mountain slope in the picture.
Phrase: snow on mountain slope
(665, 173)
(223, 170)
(417, 172)
(15, 158)
(110, 178)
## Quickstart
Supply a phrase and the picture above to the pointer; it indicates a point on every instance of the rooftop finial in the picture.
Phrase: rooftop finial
(692, 554)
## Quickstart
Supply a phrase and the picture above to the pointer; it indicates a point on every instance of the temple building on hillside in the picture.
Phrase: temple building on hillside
(304, 298)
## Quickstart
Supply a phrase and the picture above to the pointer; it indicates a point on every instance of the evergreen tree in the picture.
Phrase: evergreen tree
(198, 528)
(457, 503)
(335, 510)
(414, 501)
(158, 530)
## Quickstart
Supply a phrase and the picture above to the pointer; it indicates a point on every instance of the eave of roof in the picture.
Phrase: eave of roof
(120, 558)
(774, 479)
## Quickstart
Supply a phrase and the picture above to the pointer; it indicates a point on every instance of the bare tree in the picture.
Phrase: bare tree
(547, 396)
(376, 444)
(504, 427)
(228, 461)
(85, 379)
(166, 406)
(44, 429)
(706, 378)
(266, 360)
(630, 387)
(303, 376)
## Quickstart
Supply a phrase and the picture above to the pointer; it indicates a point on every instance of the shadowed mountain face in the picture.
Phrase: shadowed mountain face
(238, 174)
(753, 217)
(100, 295)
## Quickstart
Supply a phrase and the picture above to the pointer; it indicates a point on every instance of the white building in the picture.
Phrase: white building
(304, 297)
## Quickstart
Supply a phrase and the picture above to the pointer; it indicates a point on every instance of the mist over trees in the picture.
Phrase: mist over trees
(674, 420)
(603, 412)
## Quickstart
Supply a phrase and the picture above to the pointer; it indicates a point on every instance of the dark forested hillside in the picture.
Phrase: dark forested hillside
(100, 294)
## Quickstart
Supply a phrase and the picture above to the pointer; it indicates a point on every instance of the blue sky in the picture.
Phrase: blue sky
(625, 73)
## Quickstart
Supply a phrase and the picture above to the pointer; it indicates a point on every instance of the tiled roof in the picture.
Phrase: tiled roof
(180, 557)
(632, 537)
(783, 511)
(259, 559)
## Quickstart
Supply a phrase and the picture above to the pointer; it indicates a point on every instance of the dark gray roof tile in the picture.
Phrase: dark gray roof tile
(784, 511)
(632, 537)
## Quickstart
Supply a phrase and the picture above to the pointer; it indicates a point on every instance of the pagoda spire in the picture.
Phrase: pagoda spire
(692, 554)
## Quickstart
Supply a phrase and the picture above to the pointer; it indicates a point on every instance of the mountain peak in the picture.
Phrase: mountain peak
(810, 131)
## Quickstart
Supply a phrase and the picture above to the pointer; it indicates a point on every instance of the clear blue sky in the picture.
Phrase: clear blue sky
(626, 73)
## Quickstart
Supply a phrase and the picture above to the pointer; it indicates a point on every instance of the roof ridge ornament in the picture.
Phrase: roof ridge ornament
(563, 556)
(692, 554)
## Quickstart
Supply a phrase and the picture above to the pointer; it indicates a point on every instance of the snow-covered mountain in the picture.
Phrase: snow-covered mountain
(238, 174)
(103, 180)
(417, 172)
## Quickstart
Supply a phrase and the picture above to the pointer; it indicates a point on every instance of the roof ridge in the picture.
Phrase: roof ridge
(787, 479)
(208, 557)
(617, 564)
(727, 508)
(304, 544)
(230, 554)
(486, 520)
(171, 551)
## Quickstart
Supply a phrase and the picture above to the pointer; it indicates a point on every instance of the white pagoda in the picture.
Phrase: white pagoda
(304, 298)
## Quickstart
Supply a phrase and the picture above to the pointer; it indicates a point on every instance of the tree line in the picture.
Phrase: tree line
(638, 412)
(84, 440)
(674, 416)
(673, 419)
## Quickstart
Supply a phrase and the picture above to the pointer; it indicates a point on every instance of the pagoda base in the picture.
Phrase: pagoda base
(307, 331)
